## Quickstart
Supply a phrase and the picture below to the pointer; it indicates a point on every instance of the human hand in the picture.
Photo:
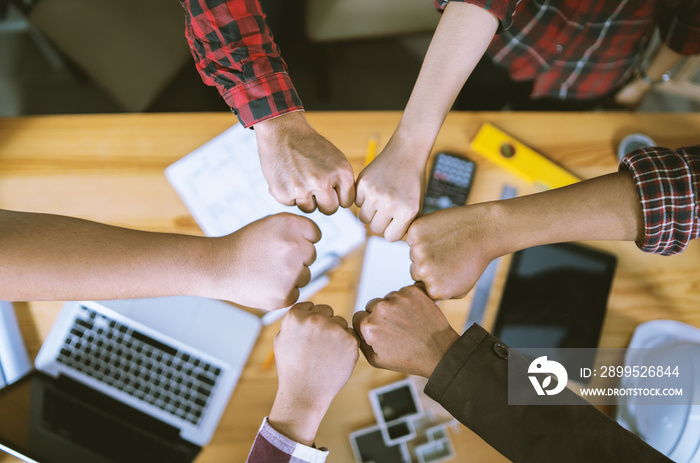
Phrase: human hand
(390, 191)
(315, 353)
(451, 248)
(405, 332)
(632, 94)
(301, 167)
(264, 264)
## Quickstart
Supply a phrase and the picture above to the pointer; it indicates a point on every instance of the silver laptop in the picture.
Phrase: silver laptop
(133, 380)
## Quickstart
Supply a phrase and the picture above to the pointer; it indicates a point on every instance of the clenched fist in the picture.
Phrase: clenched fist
(264, 264)
(301, 167)
(405, 332)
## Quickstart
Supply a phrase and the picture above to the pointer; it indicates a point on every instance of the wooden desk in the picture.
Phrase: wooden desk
(109, 168)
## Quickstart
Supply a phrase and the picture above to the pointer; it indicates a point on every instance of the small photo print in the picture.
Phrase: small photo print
(368, 446)
(396, 401)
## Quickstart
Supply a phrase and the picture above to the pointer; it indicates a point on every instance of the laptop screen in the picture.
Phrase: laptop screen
(58, 420)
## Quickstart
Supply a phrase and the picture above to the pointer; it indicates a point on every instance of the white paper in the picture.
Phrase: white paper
(386, 268)
(222, 185)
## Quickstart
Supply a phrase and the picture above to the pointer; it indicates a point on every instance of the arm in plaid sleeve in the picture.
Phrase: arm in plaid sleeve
(234, 51)
(668, 183)
(502, 9)
(271, 445)
(679, 25)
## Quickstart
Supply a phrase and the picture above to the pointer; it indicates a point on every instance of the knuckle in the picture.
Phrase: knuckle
(416, 229)
(288, 248)
(316, 319)
(434, 291)
(368, 330)
(372, 360)
(415, 272)
(352, 342)
(346, 175)
(375, 227)
(287, 219)
(418, 253)
(406, 212)
(278, 193)
(291, 297)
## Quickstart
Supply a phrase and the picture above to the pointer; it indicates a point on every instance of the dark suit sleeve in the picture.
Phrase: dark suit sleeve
(471, 382)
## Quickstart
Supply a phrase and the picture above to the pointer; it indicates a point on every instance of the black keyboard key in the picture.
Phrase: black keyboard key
(206, 379)
(84, 324)
(152, 342)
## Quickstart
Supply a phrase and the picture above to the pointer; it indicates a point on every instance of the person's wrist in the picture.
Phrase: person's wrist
(208, 277)
(413, 143)
(293, 121)
(443, 343)
(186, 271)
(297, 417)
(497, 231)
(651, 79)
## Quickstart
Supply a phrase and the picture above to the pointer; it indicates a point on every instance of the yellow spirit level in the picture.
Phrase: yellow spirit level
(518, 159)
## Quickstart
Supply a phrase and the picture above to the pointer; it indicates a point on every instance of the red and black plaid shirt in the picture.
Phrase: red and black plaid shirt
(581, 49)
(571, 48)
(668, 183)
(234, 51)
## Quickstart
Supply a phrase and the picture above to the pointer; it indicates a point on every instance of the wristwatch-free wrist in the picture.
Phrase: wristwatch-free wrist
(665, 77)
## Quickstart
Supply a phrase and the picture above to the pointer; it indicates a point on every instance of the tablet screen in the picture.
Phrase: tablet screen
(555, 296)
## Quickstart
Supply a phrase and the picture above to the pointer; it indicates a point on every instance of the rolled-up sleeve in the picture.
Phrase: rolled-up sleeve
(234, 51)
(679, 25)
(668, 183)
(502, 9)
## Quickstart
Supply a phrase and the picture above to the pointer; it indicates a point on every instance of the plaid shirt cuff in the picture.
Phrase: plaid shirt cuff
(502, 9)
(263, 98)
(668, 183)
(270, 445)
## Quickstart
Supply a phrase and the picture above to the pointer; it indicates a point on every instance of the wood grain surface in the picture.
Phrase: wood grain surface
(110, 168)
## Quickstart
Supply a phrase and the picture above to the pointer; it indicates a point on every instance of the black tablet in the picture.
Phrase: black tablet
(555, 296)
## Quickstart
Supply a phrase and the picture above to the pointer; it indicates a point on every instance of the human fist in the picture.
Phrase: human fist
(451, 248)
(405, 332)
(264, 264)
(390, 192)
(301, 167)
(315, 353)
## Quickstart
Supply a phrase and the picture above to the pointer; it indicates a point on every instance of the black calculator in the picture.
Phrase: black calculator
(450, 182)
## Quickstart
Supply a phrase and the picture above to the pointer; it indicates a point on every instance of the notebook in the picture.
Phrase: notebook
(129, 380)
(222, 185)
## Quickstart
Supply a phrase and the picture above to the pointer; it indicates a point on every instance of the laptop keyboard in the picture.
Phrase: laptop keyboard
(145, 368)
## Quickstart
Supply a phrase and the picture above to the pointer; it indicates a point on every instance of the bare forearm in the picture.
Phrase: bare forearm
(49, 257)
(662, 61)
(603, 208)
(460, 40)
